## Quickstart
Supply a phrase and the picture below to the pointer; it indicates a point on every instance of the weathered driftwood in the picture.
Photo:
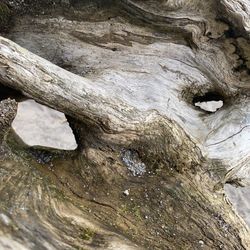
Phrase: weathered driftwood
(137, 68)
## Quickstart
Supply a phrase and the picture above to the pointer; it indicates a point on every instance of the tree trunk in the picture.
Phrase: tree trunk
(151, 165)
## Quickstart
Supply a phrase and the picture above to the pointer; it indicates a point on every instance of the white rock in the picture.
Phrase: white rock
(210, 106)
(126, 192)
(201, 242)
(38, 125)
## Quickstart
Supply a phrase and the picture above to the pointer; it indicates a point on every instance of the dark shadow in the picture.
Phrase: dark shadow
(6, 92)
(209, 96)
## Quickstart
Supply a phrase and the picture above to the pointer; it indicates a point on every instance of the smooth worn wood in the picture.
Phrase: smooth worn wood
(151, 165)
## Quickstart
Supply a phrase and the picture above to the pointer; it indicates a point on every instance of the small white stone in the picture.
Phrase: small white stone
(210, 106)
(126, 192)
(201, 242)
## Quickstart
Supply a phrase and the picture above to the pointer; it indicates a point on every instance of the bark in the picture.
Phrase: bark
(137, 68)
(8, 109)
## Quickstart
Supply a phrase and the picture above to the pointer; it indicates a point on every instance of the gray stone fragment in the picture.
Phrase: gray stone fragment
(38, 125)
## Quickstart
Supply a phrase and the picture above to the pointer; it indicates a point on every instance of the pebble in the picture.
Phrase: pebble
(201, 242)
(126, 192)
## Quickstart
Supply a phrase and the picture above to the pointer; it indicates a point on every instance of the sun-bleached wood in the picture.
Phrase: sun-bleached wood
(135, 71)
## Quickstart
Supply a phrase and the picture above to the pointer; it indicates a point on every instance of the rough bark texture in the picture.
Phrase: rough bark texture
(127, 74)
(8, 109)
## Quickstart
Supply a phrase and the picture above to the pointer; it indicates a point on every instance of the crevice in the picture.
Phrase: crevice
(6, 92)
(216, 143)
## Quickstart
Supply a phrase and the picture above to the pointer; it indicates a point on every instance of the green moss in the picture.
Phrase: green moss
(57, 193)
(87, 234)
(137, 212)
(5, 14)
